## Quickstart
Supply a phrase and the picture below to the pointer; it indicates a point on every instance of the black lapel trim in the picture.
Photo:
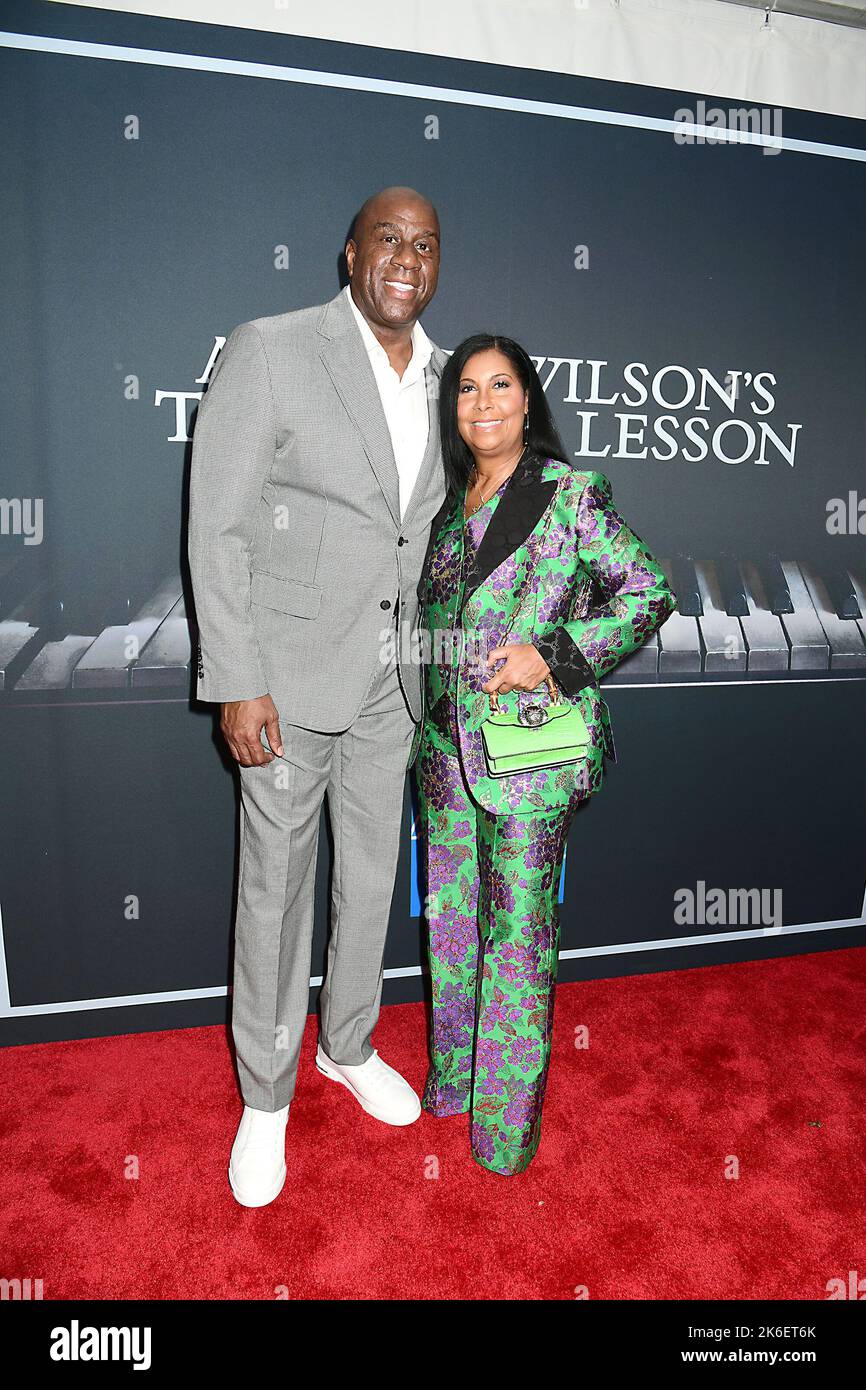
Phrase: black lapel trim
(522, 504)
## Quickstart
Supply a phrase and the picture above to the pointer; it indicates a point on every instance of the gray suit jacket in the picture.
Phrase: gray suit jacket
(296, 548)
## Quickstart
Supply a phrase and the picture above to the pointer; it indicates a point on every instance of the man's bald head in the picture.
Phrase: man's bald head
(382, 203)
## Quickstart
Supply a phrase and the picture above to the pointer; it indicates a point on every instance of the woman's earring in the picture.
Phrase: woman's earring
(525, 425)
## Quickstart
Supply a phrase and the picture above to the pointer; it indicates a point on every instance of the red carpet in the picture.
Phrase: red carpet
(626, 1198)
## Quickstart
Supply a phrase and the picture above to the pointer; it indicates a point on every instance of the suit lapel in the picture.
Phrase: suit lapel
(348, 365)
(520, 508)
(346, 361)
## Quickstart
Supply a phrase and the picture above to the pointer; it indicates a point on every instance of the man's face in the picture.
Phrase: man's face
(394, 261)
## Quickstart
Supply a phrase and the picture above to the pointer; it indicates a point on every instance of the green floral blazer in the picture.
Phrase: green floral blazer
(555, 536)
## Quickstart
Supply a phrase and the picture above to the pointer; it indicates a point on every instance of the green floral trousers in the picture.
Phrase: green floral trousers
(493, 932)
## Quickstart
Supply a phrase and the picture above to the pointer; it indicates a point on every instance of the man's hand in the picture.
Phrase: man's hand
(242, 722)
(524, 669)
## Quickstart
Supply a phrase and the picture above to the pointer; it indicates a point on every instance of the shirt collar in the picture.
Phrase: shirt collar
(422, 348)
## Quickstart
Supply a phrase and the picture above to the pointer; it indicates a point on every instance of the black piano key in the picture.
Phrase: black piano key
(775, 584)
(684, 582)
(841, 593)
(20, 642)
(734, 596)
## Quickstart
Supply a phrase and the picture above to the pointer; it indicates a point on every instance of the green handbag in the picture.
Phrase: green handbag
(534, 738)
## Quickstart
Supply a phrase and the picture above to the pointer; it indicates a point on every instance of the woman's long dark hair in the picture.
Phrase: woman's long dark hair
(543, 437)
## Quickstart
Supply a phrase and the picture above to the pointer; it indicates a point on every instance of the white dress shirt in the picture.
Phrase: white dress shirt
(404, 399)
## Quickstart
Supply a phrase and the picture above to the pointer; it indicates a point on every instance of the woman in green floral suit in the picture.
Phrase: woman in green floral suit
(522, 545)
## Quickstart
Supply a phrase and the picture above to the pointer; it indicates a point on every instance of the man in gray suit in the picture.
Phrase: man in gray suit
(316, 473)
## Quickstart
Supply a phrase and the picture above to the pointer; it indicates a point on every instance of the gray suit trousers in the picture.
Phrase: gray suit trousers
(363, 771)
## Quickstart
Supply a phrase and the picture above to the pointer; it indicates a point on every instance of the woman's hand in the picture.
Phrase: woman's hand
(524, 669)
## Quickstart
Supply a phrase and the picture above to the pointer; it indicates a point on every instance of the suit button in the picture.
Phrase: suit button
(402, 540)
(386, 603)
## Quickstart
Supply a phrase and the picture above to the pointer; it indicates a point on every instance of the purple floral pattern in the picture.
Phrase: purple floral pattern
(494, 847)
(493, 921)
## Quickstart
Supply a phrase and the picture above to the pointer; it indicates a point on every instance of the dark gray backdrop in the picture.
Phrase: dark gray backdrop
(123, 259)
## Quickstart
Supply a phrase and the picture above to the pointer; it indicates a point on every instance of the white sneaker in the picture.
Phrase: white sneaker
(257, 1168)
(378, 1088)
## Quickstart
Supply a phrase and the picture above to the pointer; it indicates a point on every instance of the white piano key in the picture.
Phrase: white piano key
(724, 643)
(679, 641)
(764, 634)
(810, 650)
(106, 664)
(847, 647)
(52, 668)
(166, 658)
(679, 637)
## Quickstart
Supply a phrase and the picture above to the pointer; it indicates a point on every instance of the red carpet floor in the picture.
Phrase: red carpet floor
(686, 1073)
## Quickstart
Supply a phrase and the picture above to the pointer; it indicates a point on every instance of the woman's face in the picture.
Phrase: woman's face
(491, 404)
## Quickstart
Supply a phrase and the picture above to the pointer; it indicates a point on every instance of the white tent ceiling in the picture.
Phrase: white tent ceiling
(766, 52)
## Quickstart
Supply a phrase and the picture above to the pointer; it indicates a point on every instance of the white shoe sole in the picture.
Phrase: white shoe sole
(364, 1104)
(265, 1200)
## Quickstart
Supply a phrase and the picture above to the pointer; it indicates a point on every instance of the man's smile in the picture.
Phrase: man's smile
(401, 288)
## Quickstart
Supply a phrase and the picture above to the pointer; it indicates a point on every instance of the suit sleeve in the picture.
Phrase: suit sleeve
(232, 456)
(636, 597)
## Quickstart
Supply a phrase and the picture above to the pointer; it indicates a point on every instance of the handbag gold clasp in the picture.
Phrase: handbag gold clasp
(555, 698)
